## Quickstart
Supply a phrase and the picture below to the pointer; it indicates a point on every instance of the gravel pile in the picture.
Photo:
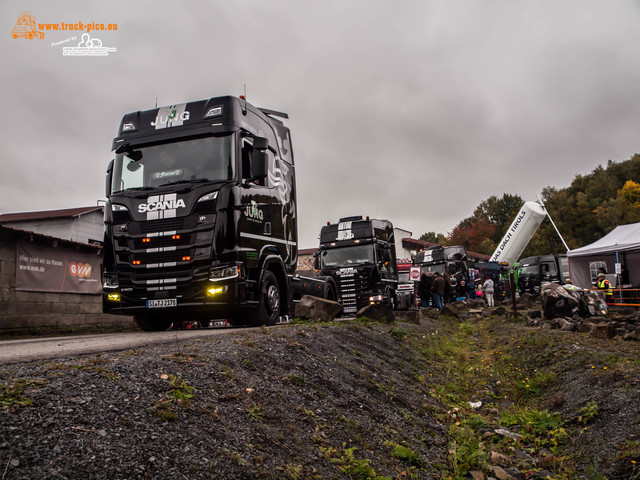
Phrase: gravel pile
(295, 402)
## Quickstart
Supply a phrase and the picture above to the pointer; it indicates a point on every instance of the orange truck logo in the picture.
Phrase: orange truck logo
(26, 27)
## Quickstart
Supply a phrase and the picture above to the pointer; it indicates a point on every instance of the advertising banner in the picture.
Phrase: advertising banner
(41, 268)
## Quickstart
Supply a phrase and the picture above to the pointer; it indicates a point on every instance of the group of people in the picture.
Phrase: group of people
(436, 289)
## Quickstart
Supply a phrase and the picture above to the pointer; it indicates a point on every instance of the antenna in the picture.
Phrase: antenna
(156, 102)
(244, 97)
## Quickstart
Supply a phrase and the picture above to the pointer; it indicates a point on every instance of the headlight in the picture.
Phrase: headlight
(110, 281)
(118, 208)
(225, 273)
(375, 298)
(208, 196)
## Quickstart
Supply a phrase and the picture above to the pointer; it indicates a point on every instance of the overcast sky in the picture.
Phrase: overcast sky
(412, 110)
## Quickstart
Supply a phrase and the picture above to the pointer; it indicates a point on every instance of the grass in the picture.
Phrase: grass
(13, 395)
(179, 395)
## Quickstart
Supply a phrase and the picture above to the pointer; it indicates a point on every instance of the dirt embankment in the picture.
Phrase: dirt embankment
(358, 400)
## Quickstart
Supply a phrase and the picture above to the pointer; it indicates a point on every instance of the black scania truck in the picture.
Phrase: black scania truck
(200, 221)
(360, 254)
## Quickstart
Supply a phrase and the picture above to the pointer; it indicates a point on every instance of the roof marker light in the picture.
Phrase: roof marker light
(213, 112)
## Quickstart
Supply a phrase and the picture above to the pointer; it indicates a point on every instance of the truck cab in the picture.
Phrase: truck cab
(533, 271)
(359, 254)
(445, 259)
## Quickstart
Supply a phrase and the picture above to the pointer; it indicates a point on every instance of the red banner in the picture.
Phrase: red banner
(41, 268)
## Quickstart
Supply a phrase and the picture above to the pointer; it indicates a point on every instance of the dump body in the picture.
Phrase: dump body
(200, 219)
(359, 254)
(519, 234)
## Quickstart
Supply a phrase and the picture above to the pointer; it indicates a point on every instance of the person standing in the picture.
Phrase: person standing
(438, 290)
(603, 284)
(487, 286)
(447, 288)
(426, 282)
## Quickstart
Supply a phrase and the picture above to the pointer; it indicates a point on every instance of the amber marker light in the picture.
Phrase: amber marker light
(136, 262)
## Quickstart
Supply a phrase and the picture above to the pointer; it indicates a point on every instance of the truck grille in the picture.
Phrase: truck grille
(168, 261)
(351, 289)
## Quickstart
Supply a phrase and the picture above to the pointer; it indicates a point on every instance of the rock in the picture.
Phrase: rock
(527, 300)
(506, 433)
(584, 327)
(450, 310)
(534, 314)
(500, 474)
(499, 459)
(315, 308)
(411, 316)
(477, 475)
(603, 330)
(430, 312)
(377, 312)
(544, 474)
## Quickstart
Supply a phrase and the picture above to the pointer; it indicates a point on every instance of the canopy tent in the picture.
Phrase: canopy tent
(623, 240)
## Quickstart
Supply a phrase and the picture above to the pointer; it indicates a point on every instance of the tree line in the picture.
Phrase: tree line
(592, 206)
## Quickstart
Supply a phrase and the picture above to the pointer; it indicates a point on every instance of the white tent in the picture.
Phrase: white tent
(623, 240)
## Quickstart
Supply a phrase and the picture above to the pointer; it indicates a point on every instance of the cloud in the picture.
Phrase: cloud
(414, 111)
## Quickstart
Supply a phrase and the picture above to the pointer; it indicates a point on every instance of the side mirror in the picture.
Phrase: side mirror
(260, 167)
(316, 260)
(260, 159)
(107, 186)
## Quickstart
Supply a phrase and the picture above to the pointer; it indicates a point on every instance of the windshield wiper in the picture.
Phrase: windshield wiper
(180, 182)
(132, 189)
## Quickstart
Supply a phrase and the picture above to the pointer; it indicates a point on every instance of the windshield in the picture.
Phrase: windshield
(403, 277)
(204, 159)
(438, 267)
(528, 269)
(348, 256)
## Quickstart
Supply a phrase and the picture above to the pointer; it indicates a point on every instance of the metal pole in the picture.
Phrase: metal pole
(551, 220)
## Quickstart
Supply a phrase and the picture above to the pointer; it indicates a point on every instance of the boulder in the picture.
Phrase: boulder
(603, 330)
(377, 311)
(592, 304)
(315, 308)
(557, 301)
(526, 299)
(412, 316)
(450, 310)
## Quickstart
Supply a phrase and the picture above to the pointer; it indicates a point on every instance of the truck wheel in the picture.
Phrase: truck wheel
(391, 295)
(152, 323)
(330, 292)
(268, 311)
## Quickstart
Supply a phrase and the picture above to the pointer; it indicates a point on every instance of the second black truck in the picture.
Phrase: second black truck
(359, 253)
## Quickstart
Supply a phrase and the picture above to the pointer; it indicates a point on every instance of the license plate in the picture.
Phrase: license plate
(163, 303)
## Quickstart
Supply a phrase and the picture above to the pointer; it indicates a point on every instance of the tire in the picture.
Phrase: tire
(269, 306)
(391, 295)
(330, 292)
(152, 322)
